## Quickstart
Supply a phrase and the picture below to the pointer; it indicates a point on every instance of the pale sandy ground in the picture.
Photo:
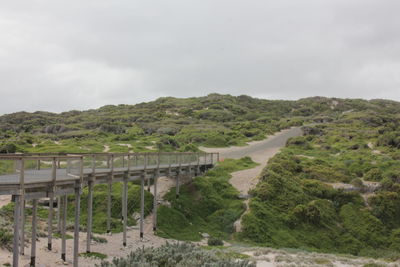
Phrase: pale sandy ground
(106, 148)
(267, 257)
(4, 200)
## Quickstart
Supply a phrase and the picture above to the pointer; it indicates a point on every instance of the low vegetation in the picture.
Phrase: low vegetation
(177, 255)
(335, 189)
(208, 205)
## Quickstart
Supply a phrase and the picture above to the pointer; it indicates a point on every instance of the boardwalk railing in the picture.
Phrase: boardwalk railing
(56, 175)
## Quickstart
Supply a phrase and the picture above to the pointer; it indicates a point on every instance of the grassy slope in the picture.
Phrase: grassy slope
(208, 205)
(169, 123)
(294, 205)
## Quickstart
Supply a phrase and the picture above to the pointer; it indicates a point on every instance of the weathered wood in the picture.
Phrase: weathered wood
(76, 225)
(89, 216)
(155, 203)
(17, 212)
(109, 191)
(34, 225)
(23, 221)
(142, 205)
(125, 209)
(50, 221)
(63, 228)
(59, 214)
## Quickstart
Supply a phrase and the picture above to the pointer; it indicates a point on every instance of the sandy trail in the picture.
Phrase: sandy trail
(260, 152)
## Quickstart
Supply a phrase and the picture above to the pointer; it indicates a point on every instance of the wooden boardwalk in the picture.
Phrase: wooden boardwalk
(55, 176)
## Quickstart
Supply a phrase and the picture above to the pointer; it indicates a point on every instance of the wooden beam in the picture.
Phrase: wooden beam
(17, 211)
(23, 220)
(76, 225)
(34, 225)
(63, 227)
(125, 209)
(89, 216)
(50, 222)
(155, 202)
(142, 205)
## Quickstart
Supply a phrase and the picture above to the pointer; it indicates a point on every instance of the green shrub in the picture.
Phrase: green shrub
(177, 255)
(214, 241)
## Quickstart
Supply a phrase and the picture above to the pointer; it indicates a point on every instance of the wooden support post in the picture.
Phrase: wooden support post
(51, 206)
(178, 176)
(155, 202)
(169, 164)
(198, 164)
(76, 225)
(34, 223)
(90, 216)
(21, 203)
(109, 195)
(17, 211)
(125, 209)
(23, 220)
(177, 184)
(59, 214)
(109, 206)
(148, 182)
(142, 204)
(63, 227)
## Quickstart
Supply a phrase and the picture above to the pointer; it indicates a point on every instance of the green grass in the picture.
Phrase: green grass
(58, 235)
(95, 255)
(209, 204)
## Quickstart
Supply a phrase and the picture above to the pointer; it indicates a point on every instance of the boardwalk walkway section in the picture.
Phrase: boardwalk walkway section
(55, 176)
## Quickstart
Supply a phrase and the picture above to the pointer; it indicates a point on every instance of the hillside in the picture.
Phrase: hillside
(335, 189)
(171, 123)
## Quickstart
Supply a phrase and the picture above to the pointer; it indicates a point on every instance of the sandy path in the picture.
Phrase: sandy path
(260, 152)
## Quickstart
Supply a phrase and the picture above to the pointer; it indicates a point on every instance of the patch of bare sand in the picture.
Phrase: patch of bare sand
(4, 200)
(106, 148)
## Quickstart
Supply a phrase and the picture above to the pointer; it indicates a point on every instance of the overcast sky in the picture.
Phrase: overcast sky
(63, 55)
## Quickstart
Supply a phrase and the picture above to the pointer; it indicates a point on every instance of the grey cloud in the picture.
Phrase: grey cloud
(62, 55)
